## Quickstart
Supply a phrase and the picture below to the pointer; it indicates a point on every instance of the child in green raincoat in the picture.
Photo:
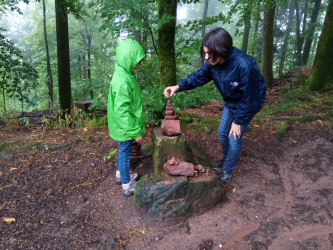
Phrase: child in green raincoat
(125, 116)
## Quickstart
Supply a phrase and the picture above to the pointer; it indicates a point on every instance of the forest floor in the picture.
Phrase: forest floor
(57, 190)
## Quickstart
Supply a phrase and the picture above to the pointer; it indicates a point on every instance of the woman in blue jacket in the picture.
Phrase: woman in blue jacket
(238, 79)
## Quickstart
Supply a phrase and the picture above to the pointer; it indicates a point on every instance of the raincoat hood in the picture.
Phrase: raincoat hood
(125, 110)
(128, 54)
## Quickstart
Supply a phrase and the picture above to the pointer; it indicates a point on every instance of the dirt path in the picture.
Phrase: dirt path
(281, 200)
(280, 196)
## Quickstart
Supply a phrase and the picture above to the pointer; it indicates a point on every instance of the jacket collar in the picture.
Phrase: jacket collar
(231, 56)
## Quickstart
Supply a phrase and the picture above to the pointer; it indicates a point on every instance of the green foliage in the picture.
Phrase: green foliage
(11, 5)
(7, 144)
(110, 155)
(17, 77)
(282, 130)
(205, 125)
(97, 121)
(154, 103)
(196, 97)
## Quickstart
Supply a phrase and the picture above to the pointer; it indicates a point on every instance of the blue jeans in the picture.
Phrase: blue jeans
(231, 148)
(124, 157)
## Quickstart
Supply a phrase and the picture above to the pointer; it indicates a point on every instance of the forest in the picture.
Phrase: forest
(58, 162)
(44, 43)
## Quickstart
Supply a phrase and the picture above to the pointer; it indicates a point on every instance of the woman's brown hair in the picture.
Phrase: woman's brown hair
(219, 44)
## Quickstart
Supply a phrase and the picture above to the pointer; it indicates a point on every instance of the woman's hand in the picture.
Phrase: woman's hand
(236, 130)
(139, 139)
(169, 91)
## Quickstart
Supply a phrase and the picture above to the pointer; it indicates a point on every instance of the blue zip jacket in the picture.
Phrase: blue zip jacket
(239, 81)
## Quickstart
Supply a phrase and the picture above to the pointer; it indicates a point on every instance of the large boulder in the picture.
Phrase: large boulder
(166, 198)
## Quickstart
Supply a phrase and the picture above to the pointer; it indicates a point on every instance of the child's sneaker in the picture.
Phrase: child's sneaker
(134, 176)
(223, 176)
(128, 189)
(118, 178)
(218, 166)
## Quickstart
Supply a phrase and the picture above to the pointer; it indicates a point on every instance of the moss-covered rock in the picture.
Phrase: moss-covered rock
(167, 198)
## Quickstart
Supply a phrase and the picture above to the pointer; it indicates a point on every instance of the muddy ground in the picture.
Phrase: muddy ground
(58, 186)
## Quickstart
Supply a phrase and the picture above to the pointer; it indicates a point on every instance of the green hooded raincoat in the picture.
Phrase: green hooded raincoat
(125, 118)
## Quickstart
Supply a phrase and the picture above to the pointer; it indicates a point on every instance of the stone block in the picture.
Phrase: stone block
(166, 147)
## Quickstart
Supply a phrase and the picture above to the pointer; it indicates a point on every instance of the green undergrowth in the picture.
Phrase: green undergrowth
(298, 105)
(7, 144)
(195, 123)
(298, 98)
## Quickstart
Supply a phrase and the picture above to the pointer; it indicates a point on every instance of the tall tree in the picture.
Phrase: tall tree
(167, 10)
(247, 24)
(64, 72)
(322, 71)
(286, 37)
(300, 32)
(49, 80)
(204, 16)
(310, 32)
(267, 43)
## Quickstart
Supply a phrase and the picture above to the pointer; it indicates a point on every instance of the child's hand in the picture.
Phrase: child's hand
(139, 139)
(236, 130)
(169, 91)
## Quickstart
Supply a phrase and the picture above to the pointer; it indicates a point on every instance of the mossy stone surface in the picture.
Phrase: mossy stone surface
(166, 147)
(165, 198)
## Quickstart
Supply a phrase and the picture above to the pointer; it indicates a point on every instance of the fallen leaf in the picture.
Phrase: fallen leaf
(41, 222)
(86, 202)
(256, 126)
(12, 169)
(92, 153)
(286, 229)
(45, 188)
(293, 141)
(234, 190)
(1, 173)
(86, 184)
(8, 220)
(85, 129)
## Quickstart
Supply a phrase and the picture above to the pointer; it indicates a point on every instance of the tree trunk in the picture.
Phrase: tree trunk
(310, 31)
(166, 42)
(278, 8)
(299, 42)
(64, 73)
(286, 38)
(247, 24)
(89, 64)
(49, 82)
(4, 99)
(267, 44)
(204, 16)
(299, 32)
(254, 45)
(322, 70)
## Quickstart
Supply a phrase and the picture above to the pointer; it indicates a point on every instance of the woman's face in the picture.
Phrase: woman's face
(207, 57)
